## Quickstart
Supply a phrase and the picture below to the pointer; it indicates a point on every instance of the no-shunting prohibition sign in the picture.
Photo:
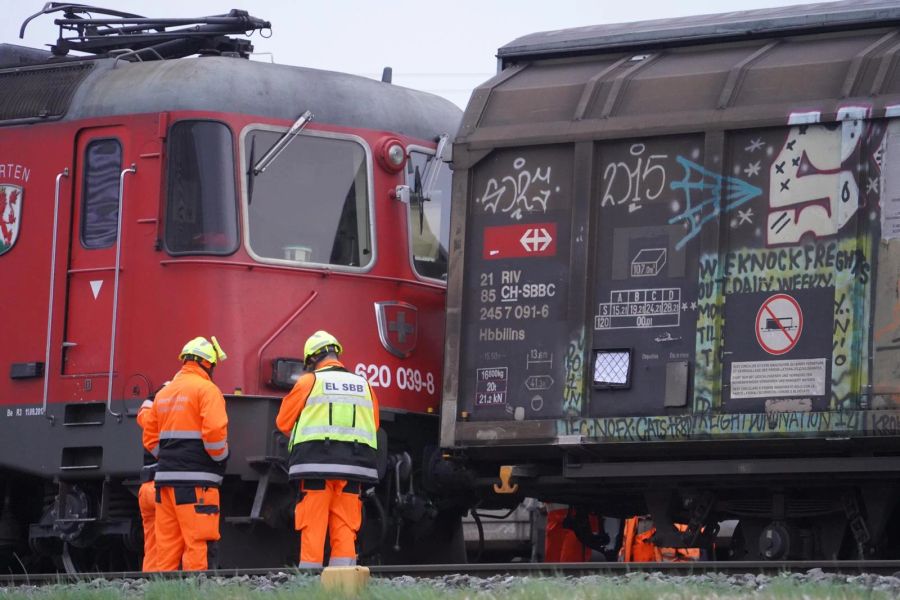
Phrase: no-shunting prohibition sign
(779, 323)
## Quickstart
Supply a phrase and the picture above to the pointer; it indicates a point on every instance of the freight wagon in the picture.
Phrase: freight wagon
(675, 278)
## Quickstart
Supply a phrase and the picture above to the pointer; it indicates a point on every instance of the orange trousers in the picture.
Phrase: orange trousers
(328, 506)
(187, 523)
(147, 504)
(561, 544)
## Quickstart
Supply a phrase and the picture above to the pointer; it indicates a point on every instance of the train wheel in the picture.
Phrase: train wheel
(744, 539)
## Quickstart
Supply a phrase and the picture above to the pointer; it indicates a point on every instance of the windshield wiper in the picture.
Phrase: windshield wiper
(267, 159)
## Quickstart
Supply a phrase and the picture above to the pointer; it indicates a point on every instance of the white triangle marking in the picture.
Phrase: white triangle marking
(95, 287)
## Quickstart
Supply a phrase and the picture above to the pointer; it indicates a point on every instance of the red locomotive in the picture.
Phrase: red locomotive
(147, 197)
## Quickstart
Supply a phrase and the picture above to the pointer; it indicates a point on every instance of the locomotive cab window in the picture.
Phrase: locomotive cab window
(311, 204)
(100, 197)
(201, 213)
(429, 218)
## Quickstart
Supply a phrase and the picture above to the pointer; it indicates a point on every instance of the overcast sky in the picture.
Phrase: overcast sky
(446, 48)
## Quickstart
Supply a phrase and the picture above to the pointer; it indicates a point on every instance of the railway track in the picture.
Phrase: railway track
(884, 567)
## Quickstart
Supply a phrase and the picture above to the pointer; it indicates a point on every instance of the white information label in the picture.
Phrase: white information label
(778, 378)
(889, 183)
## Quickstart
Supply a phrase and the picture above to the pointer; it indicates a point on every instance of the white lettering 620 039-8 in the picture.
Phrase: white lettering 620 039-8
(403, 378)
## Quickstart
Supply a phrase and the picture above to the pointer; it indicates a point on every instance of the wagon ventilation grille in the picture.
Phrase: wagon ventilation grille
(43, 93)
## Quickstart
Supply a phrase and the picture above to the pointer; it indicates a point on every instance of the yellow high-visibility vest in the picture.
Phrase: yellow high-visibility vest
(339, 408)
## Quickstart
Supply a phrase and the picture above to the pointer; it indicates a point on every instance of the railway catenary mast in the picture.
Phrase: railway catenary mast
(147, 197)
(674, 277)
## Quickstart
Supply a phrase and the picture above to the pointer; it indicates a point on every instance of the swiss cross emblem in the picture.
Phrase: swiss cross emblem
(398, 327)
(10, 212)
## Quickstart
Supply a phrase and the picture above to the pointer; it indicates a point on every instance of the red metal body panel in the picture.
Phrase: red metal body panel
(258, 311)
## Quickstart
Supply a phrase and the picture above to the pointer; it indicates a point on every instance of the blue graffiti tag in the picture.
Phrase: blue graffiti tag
(708, 192)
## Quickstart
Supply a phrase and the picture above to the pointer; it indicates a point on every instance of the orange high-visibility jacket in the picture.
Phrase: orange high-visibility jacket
(149, 468)
(186, 428)
(638, 546)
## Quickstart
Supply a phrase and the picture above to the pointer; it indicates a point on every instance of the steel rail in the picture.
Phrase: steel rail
(846, 567)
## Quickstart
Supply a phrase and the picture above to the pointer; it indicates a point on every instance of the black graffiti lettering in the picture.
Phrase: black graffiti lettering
(841, 324)
(820, 256)
(839, 304)
(603, 428)
(885, 424)
(729, 423)
(825, 256)
(681, 427)
(757, 262)
(846, 421)
(840, 360)
(863, 272)
(702, 404)
(775, 260)
(706, 334)
(729, 263)
(708, 309)
(652, 428)
(708, 267)
(809, 252)
(805, 281)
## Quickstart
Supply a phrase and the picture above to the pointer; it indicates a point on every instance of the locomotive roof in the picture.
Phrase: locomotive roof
(104, 87)
(826, 16)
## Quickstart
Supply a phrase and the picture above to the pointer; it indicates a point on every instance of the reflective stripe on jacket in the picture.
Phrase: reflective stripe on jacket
(188, 418)
(333, 435)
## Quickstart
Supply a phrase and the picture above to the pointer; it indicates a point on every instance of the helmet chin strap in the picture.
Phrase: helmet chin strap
(313, 361)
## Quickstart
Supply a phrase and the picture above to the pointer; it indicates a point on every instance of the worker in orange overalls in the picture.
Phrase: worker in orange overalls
(188, 418)
(561, 544)
(638, 546)
(147, 492)
(331, 420)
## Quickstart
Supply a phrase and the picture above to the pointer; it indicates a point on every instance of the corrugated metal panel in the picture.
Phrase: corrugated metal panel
(759, 82)
(39, 93)
(827, 16)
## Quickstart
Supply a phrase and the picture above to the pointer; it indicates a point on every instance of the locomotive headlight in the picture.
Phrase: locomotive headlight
(285, 372)
(395, 155)
(391, 154)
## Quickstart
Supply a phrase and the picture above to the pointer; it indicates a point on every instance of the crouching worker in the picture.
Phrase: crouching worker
(188, 417)
(331, 420)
